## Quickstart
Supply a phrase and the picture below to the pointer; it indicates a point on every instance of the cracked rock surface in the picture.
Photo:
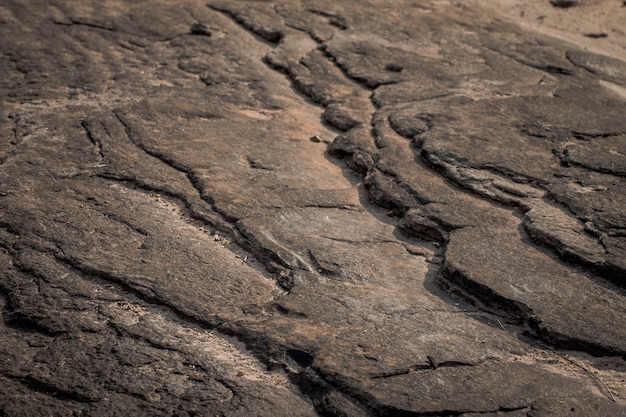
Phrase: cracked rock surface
(311, 208)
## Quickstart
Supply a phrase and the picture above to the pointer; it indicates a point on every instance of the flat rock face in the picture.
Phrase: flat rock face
(310, 208)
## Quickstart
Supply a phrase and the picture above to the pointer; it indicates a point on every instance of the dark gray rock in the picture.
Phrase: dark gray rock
(563, 3)
(200, 29)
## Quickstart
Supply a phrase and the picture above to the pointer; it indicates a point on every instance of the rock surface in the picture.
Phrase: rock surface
(309, 208)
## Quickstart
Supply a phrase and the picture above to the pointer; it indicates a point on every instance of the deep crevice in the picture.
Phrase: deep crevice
(405, 371)
(273, 37)
(180, 198)
(49, 389)
(333, 19)
(143, 293)
(605, 269)
(245, 244)
(549, 68)
(191, 177)
(93, 139)
(521, 315)
(87, 23)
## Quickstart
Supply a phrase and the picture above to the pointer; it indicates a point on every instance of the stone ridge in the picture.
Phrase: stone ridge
(307, 207)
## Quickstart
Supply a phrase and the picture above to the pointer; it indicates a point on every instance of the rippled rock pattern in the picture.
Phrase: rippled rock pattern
(324, 208)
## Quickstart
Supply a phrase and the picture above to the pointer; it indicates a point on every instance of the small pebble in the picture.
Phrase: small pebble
(394, 67)
(200, 29)
(564, 4)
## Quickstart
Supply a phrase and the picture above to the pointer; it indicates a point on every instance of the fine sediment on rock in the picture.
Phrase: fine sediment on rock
(307, 208)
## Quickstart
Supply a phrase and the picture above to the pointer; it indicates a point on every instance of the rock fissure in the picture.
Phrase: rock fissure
(269, 35)
(94, 140)
(193, 180)
(144, 293)
(432, 365)
(41, 386)
(546, 67)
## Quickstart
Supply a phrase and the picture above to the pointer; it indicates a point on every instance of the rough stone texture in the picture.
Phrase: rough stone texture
(309, 208)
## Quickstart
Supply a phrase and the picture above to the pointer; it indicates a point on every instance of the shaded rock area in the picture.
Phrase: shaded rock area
(356, 208)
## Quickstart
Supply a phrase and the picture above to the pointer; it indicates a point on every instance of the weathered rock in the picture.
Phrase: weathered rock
(316, 208)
